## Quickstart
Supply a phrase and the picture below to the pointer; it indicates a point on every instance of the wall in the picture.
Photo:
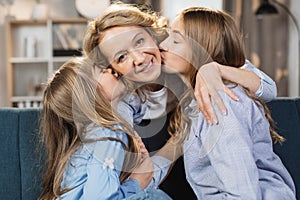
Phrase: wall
(293, 58)
(170, 8)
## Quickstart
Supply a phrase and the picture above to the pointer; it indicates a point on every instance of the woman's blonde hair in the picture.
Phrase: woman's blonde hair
(218, 34)
(72, 100)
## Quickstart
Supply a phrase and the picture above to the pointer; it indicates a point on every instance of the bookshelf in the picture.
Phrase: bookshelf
(35, 49)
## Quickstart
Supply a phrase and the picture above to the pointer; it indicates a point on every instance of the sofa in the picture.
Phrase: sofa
(23, 162)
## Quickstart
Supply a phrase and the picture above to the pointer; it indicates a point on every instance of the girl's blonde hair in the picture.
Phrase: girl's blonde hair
(72, 100)
(218, 34)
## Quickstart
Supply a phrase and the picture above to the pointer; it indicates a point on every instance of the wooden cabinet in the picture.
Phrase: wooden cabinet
(35, 49)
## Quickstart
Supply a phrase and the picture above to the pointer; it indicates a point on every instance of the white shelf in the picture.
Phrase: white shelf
(62, 58)
(28, 60)
(26, 98)
(27, 101)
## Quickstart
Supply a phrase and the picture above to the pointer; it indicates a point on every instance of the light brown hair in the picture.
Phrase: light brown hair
(217, 33)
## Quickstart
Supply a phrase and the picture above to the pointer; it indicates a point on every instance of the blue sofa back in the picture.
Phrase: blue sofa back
(286, 114)
(22, 162)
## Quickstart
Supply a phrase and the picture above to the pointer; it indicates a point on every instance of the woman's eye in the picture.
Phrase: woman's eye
(140, 41)
(121, 58)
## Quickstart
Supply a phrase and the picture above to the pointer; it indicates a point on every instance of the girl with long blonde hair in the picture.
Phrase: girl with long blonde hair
(92, 152)
(233, 159)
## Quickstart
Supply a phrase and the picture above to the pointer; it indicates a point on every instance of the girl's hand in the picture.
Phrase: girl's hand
(208, 82)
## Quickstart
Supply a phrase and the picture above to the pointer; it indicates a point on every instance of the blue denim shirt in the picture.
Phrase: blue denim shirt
(93, 170)
(235, 159)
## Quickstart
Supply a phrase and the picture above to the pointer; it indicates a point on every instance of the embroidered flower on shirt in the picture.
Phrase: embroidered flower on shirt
(108, 162)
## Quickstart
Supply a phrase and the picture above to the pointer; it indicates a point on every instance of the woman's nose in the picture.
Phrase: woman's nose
(138, 57)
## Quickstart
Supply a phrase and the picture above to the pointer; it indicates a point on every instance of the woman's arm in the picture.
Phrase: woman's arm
(240, 76)
(209, 81)
(144, 172)
(164, 158)
(251, 77)
(267, 89)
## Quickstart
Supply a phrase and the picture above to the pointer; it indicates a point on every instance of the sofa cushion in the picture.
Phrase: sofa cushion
(31, 153)
(10, 183)
(286, 114)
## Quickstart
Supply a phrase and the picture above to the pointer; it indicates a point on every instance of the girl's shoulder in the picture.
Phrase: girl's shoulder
(132, 108)
(106, 145)
(95, 132)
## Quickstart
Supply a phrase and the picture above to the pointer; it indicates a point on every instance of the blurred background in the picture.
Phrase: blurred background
(270, 30)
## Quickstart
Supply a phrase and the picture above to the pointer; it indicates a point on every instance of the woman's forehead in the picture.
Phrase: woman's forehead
(121, 32)
(119, 39)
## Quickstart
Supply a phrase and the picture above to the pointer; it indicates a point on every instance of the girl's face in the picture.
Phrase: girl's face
(132, 52)
(111, 86)
(176, 52)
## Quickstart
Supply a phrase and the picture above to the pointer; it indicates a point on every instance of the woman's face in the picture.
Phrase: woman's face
(111, 86)
(176, 52)
(132, 52)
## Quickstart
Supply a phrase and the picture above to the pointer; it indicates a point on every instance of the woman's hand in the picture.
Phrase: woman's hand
(208, 82)
(144, 172)
(144, 151)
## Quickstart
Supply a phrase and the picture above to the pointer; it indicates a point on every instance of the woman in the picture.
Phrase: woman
(92, 152)
(234, 159)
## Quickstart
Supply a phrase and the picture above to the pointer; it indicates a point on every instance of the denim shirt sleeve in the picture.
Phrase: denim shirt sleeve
(132, 109)
(267, 89)
(104, 167)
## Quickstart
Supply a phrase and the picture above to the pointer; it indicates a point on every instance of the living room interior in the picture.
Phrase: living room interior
(270, 40)
(38, 36)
